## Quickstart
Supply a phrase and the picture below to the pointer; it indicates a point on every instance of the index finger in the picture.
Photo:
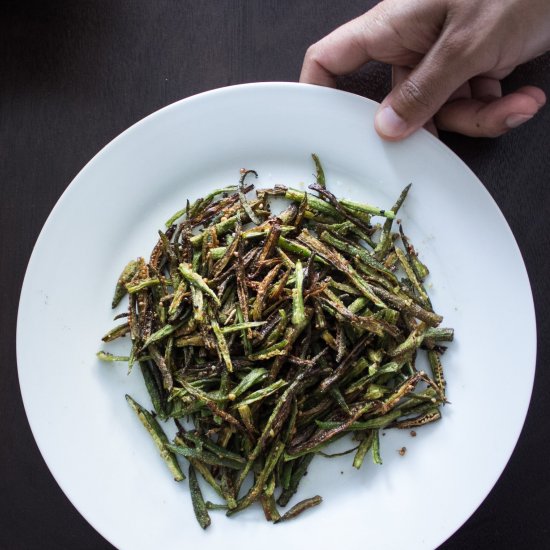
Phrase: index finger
(370, 36)
(340, 52)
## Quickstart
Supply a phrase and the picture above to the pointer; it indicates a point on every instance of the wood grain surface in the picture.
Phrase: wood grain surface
(73, 75)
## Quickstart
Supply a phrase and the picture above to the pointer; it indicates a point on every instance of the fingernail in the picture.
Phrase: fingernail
(513, 121)
(389, 123)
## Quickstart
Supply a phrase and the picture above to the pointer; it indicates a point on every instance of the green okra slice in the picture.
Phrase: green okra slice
(159, 438)
(377, 459)
(199, 506)
(125, 277)
(270, 508)
(110, 358)
(302, 506)
(298, 312)
(203, 441)
(117, 332)
(319, 172)
(158, 400)
(413, 278)
(222, 345)
(255, 376)
(373, 423)
(384, 244)
(297, 475)
(161, 334)
(270, 462)
(263, 392)
(434, 358)
(204, 456)
(198, 282)
(363, 449)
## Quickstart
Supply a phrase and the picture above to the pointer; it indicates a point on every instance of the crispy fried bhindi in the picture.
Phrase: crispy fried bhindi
(266, 337)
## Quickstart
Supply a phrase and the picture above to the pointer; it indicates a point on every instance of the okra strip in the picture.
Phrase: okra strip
(207, 199)
(270, 242)
(341, 370)
(336, 259)
(204, 456)
(155, 392)
(420, 270)
(270, 508)
(161, 334)
(376, 458)
(213, 447)
(297, 475)
(363, 449)
(302, 506)
(273, 351)
(431, 415)
(159, 438)
(255, 376)
(245, 204)
(412, 277)
(226, 256)
(323, 437)
(254, 493)
(407, 305)
(143, 283)
(257, 308)
(298, 313)
(223, 349)
(110, 358)
(314, 203)
(278, 415)
(319, 172)
(263, 393)
(167, 380)
(125, 277)
(411, 344)
(385, 241)
(373, 423)
(198, 282)
(367, 209)
(199, 506)
(117, 332)
(437, 369)
(358, 251)
(353, 217)
(221, 227)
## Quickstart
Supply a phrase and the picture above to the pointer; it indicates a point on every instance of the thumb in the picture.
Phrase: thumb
(418, 97)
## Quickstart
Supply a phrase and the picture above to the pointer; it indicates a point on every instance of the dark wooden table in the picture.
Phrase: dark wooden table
(73, 75)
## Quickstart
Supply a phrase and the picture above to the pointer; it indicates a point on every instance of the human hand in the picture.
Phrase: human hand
(448, 58)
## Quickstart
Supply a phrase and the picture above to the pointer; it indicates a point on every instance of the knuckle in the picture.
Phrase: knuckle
(312, 53)
(315, 52)
(315, 56)
(414, 95)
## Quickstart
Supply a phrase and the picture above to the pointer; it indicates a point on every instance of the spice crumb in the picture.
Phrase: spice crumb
(413, 433)
(402, 451)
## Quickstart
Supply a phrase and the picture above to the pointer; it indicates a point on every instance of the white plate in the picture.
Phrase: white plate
(99, 453)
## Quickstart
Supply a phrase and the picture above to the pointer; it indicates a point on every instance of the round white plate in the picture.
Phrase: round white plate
(100, 454)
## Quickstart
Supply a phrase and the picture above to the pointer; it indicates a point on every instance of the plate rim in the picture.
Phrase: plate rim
(208, 95)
